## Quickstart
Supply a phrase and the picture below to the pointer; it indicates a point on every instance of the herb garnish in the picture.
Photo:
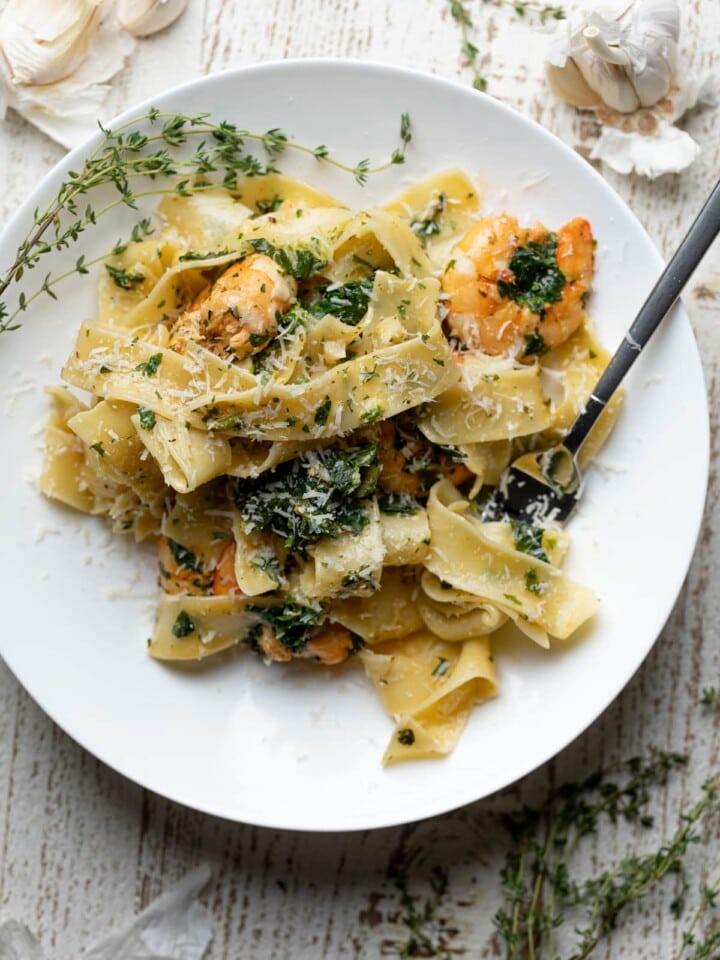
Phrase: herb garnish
(269, 206)
(403, 504)
(348, 302)
(292, 622)
(183, 625)
(150, 366)
(533, 584)
(121, 278)
(406, 737)
(528, 539)
(318, 494)
(177, 153)
(323, 412)
(298, 262)
(429, 224)
(539, 280)
(183, 557)
(147, 418)
(535, 344)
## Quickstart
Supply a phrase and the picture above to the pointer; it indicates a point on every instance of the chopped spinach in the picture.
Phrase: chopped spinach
(323, 412)
(535, 344)
(147, 418)
(183, 625)
(361, 578)
(183, 557)
(318, 494)
(290, 623)
(403, 504)
(429, 224)
(269, 206)
(528, 539)
(348, 302)
(150, 366)
(208, 255)
(124, 279)
(299, 262)
(538, 279)
(532, 582)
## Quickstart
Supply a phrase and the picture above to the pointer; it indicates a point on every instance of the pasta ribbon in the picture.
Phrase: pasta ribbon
(493, 399)
(429, 687)
(533, 593)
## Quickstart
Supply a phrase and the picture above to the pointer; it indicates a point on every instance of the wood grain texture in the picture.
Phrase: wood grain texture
(81, 848)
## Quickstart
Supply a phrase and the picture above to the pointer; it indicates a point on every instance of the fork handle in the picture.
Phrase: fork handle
(664, 294)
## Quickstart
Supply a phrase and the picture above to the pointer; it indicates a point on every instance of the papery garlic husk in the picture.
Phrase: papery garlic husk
(143, 17)
(56, 57)
(626, 58)
(647, 142)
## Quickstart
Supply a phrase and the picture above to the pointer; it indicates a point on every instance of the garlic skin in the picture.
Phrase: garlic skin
(56, 57)
(144, 17)
(669, 151)
(623, 65)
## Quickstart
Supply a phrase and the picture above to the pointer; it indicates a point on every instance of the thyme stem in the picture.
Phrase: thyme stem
(523, 8)
(191, 154)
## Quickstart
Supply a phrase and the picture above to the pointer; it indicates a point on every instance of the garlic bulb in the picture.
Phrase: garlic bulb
(56, 57)
(623, 65)
(46, 40)
(143, 17)
(626, 60)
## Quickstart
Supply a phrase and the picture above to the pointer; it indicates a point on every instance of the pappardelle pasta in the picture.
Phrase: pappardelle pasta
(305, 407)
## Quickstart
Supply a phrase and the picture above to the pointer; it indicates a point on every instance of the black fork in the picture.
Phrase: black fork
(545, 487)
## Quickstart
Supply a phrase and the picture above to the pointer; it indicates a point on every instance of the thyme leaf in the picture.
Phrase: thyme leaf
(152, 155)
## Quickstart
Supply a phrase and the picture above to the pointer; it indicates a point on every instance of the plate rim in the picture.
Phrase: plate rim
(67, 162)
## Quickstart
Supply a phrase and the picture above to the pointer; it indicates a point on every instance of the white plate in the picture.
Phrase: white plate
(300, 748)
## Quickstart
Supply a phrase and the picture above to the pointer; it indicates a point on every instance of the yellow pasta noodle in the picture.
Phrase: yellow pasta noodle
(305, 407)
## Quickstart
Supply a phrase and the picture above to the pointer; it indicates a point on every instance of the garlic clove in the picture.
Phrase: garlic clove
(655, 79)
(143, 17)
(611, 83)
(568, 83)
(68, 109)
(668, 151)
(46, 40)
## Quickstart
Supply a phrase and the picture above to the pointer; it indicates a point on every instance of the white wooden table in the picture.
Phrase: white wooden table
(81, 848)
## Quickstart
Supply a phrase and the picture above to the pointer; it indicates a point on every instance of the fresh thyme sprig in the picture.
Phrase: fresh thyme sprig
(693, 945)
(523, 8)
(425, 936)
(548, 911)
(151, 155)
(459, 13)
(537, 881)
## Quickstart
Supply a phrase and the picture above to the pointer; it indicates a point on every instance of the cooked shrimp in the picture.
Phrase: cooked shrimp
(331, 644)
(237, 315)
(224, 581)
(410, 464)
(180, 570)
(271, 647)
(514, 290)
(396, 457)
